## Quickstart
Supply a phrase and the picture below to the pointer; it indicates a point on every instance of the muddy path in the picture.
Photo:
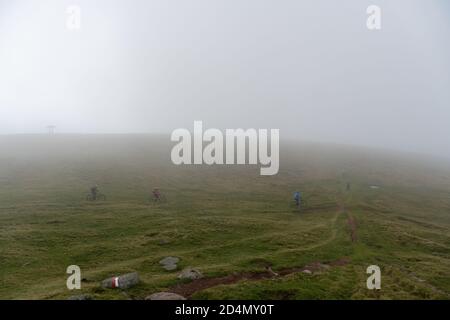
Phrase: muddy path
(188, 289)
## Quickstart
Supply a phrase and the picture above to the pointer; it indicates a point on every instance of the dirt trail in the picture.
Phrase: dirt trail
(351, 221)
(188, 289)
(352, 224)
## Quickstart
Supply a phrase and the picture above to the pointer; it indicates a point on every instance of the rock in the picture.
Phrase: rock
(165, 296)
(170, 267)
(307, 271)
(80, 297)
(163, 242)
(169, 263)
(324, 266)
(123, 282)
(169, 260)
(190, 273)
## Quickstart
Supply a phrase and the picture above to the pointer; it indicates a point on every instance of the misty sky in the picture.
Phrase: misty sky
(310, 68)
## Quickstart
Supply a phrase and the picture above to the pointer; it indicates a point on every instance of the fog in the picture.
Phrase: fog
(309, 68)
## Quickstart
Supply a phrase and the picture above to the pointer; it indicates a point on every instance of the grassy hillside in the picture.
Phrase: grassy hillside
(227, 221)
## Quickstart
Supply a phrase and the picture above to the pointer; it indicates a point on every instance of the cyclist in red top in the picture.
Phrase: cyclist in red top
(156, 194)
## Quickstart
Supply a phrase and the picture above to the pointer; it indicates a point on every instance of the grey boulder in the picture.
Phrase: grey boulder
(124, 281)
(165, 296)
(169, 263)
(190, 273)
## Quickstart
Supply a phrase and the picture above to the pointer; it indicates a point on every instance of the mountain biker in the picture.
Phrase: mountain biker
(156, 194)
(297, 198)
(94, 192)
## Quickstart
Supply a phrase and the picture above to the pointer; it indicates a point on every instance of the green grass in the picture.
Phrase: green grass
(219, 219)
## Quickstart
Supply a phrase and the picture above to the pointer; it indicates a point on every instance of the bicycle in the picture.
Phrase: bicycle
(302, 205)
(162, 198)
(99, 196)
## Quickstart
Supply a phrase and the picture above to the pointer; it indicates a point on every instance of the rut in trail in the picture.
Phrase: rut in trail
(352, 224)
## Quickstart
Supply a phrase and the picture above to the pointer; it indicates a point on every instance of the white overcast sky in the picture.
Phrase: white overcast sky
(310, 68)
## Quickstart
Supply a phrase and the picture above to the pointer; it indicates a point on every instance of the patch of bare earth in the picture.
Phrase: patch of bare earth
(188, 289)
